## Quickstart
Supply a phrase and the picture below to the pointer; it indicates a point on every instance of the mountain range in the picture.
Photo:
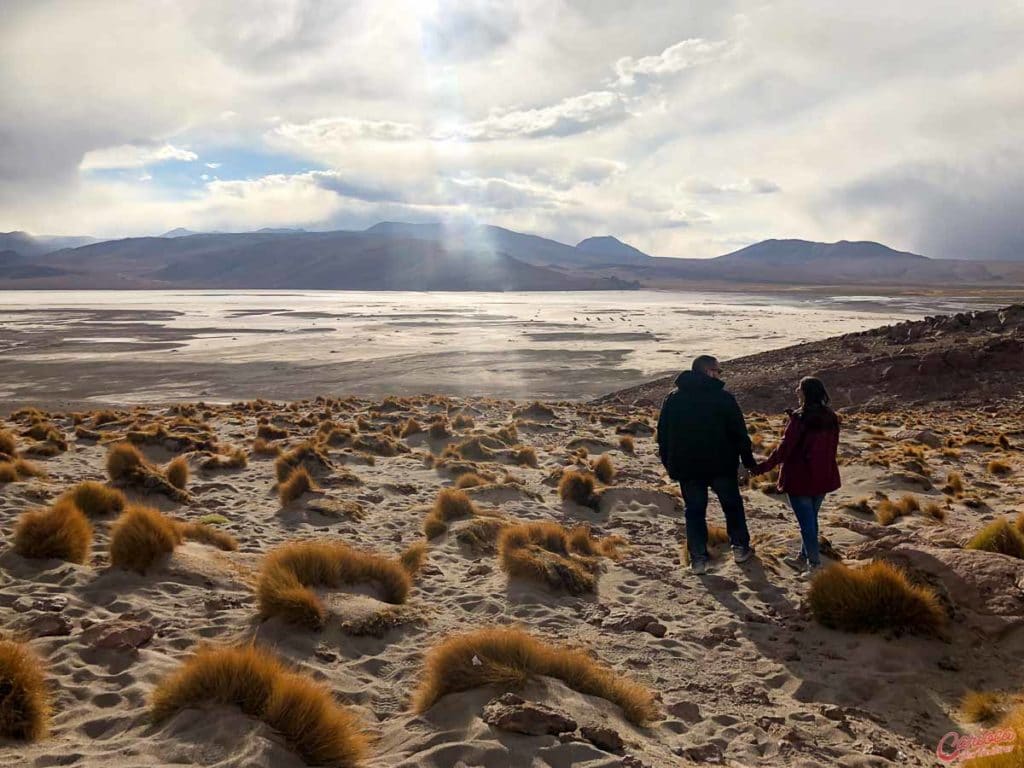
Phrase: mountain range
(432, 256)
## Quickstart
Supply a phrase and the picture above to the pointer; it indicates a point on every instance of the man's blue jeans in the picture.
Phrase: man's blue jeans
(695, 496)
(806, 510)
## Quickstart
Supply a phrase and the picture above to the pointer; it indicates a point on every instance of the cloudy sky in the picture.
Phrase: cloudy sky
(684, 128)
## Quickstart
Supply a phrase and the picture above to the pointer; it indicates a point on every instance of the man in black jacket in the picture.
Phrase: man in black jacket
(702, 437)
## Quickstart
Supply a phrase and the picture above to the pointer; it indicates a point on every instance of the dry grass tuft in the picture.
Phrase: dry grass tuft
(96, 499)
(481, 534)
(288, 572)
(270, 432)
(510, 657)
(861, 505)
(301, 709)
(578, 487)
(982, 707)
(999, 536)
(263, 447)
(470, 480)
(999, 468)
(548, 553)
(935, 511)
(888, 511)
(8, 443)
(124, 462)
(8, 473)
(874, 598)
(414, 557)
(604, 469)
(525, 456)
(178, 472)
(450, 504)
(954, 484)
(626, 444)
(28, 469)
(298, 483)
(410, 428)
(61, 532)
(25, 700)
(140, 537)
(463, 421)
(205, 534)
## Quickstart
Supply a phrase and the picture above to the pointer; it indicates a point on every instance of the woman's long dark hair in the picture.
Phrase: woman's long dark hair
(815, 413)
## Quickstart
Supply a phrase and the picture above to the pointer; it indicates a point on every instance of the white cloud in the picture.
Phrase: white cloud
(675, 58)
(133, 156)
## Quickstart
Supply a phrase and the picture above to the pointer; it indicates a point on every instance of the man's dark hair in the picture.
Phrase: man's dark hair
(704, 363)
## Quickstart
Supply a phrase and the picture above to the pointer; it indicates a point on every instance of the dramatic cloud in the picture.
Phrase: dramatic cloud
(686, 129)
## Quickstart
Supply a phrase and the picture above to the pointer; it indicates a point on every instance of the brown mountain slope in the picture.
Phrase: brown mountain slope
(970, 357)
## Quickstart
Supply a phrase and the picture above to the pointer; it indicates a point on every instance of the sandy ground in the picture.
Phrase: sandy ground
(744, 675)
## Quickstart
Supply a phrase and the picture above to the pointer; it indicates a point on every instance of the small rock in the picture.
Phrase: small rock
(511, 713)
(635, 623)
(705, 753)
(602, 737)
(888, 751)
(47, 625)
(949, 664)
(118, 634)
(685, 710)
(834, 713)
(325, 654)
(480, 569)
(656, 628)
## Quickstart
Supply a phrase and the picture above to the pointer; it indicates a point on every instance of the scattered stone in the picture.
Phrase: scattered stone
(834, 713)
(511, 713)
(685, 710)
(480, 569)
(118, 635)
(46, 625)
(656, 628)
(705, 753)
(603, 737)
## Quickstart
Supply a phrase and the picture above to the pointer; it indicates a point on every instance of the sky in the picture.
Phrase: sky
(687, 129)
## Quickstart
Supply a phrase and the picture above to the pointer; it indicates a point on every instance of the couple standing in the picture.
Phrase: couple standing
(702, 439)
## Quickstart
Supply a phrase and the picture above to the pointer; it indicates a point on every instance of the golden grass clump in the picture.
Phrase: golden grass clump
(982, 706)
(410, 428)
(934, 511)
(626, 444)
(178, 472)
(28, 469)
(205, 534)
(481, 534)
(290, 570)
(548, 553)
(1012, 725)
(270, 432)
(414, 557)
(140, 536)
(463, 421)
(510, 657)
(263, 447)
(999, 468)
(525, 456)
(25, 700)
(61, 532)
(862, 505)
(8, 443)
(450, 504)
(888, 511)
(604, 469)
(124, 462)
(8, 472)
(954, 484)
(96, 499)
(999, 536)
(298, 483)
(577, 487)
(874, 598)
(235, 457)
(469, 480)
(301, 709)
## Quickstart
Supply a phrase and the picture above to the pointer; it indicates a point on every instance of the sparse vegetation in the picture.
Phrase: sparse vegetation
(298, 483)
(888, 511)
(578, 487)
(410, 428)
(604, 470)
(140, 537)
(450, 504)
(414, 557)
(999, 468)
(525, 456)
(290, 570)
(626, 444)
(61, 532)
(982, 707)
(876, 597)
(204, 534)
(301, 709)
(24, 698)
(954, 484)
(999, 536)
(469, 480)
(178, 472)
(96, 499)
(8, 443)
(510, 657)
(548, 553)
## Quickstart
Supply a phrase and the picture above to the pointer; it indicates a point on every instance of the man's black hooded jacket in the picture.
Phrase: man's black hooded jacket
(701, 431)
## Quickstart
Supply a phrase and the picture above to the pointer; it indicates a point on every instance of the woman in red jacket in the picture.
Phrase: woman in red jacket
(807, 454)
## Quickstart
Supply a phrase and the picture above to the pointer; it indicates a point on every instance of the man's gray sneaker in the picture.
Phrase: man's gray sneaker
(796, 562)
(742, 554)
(699, 567)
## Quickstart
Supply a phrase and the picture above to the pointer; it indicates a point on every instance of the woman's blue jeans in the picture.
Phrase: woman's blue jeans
(806, 510)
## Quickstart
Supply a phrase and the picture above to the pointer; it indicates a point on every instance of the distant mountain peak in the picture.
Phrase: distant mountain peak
(613, 249)
(179, 232)
(795, 251)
